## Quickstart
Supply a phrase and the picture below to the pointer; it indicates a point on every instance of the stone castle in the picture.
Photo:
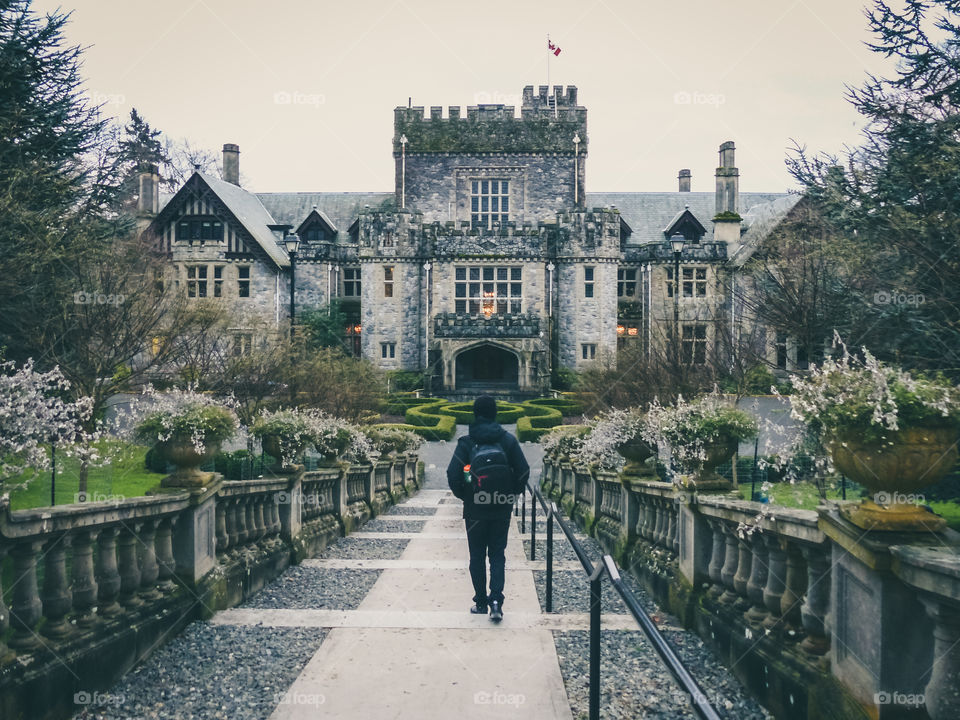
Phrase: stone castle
(489, 264)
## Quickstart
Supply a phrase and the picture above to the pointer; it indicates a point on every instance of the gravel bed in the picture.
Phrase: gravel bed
(303, 588)
(353, 548)
(211, 671)
(394, 524)
(410, 510)
(571, 593)
(635, 684)
(562, 551)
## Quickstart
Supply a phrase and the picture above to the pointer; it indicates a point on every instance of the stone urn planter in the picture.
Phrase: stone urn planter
(704, 475)
(638, 453)
(893, 472)
(181, 453)
(273, 446)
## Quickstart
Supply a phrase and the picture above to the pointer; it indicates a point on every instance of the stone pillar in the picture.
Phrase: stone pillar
(194, 546)
(82, 580)
(942, 693)
(25, 610)
(695, 541)
(57, 599)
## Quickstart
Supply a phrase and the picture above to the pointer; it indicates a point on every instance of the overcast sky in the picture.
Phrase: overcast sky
(307, 89)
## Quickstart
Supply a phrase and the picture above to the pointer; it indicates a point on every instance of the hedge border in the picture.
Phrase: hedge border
(463, 412)
(430, 423)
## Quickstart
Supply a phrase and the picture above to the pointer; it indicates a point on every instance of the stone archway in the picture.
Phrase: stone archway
(487, 367)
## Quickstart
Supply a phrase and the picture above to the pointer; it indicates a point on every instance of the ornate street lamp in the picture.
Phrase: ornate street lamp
(676, 244)
(292, 243)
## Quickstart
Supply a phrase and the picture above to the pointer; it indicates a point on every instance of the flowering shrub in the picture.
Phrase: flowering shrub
(183, 415)
(293, 428)
(333, 437)
(689, 427)
(33, 413)
(563, 441)
(850, 398)
(609, 431)
(387, 440)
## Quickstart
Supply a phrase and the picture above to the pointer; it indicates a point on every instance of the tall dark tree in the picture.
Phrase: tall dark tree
(897, 193)
(139, 145)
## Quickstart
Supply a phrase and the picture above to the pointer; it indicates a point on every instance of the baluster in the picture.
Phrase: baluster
(259, 520)
(671, 533)
(108, 579)
(129, 568)
(757, 581)
(942, 699)
(82, 579)
(56, 589)
(717, 556)
(166, 566)
(275, 526)
(675, 509)
(233, 529)
(817, 600)
(242, 531)
(794, 588)
(25, 610)
(776, 572)
(250, 505)
(223, 541)
(657, 522)
(6, 655)
(731, 560)
(149, 569)
(740, 580)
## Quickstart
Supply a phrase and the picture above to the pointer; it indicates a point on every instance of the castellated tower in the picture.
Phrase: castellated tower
(455, 275)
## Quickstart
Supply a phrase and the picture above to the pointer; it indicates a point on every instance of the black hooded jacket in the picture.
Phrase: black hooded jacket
(485, 431)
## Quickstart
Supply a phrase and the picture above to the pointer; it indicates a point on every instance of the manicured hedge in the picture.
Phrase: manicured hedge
(399, 403)
(539, 419)
(463, 412)
(432, 424)
(429, 433)
(566, 405)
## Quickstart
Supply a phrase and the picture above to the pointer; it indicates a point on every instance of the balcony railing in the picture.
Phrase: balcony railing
(454, 325)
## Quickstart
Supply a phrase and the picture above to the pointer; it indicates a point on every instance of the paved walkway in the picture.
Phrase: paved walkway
(411, 649)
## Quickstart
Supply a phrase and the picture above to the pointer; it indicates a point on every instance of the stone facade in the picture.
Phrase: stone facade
(489, 264)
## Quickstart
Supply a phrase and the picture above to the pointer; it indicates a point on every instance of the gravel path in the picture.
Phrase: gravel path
(571, 593)
(352, 548)
(210, 671)
(394, 524)
(304, 588)
(410, 510)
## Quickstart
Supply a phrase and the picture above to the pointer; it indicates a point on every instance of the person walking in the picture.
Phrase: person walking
(487, 472)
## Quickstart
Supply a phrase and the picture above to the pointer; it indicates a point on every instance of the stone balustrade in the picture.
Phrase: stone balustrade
(817, 617)
(94, 587)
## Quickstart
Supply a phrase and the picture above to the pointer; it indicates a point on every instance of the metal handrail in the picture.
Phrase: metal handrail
(698, 699)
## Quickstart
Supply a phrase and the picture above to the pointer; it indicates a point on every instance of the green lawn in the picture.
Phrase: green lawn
(124, 477)
(804, 495)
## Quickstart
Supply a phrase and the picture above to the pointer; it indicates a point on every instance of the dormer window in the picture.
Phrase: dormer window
(314, 233)
(199, 228)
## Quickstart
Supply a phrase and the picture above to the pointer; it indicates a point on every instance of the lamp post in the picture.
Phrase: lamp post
(676, 244)
(403, 171)
(292, 243)
(426, 316)
(576, 169)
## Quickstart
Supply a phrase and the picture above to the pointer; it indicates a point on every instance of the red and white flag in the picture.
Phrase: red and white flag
(555, 49)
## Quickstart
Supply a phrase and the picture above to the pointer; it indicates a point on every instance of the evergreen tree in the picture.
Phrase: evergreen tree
(898, 194)
(140, 145)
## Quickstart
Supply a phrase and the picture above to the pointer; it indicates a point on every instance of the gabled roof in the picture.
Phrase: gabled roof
(246, 208)
(684, 217)
(762, 219)
(318, 214)
(648, 213)
(340, 208)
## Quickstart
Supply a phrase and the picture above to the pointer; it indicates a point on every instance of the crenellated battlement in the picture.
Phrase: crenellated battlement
(540, 128)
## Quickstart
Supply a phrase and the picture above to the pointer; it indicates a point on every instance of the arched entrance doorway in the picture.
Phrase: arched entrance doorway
(487, 367)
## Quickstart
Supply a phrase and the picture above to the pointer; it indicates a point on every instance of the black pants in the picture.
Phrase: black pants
(485, 537)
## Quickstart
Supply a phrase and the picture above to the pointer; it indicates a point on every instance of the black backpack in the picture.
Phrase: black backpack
(491, 474)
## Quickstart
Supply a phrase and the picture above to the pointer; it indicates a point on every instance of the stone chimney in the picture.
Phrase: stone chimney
(231, 163)
(684, 178)
(728, 181)
(727, 223)
(148, 201)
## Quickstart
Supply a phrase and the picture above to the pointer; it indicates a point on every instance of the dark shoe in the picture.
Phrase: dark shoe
(496, 614)
(478, 609)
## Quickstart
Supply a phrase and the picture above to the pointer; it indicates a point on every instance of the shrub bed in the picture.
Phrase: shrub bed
(430, 423)
(463, 412)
